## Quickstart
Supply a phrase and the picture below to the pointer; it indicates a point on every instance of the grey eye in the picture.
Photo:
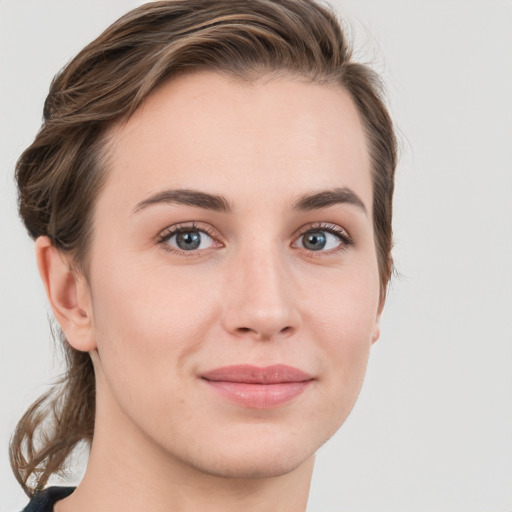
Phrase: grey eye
(190, 240)
(314, 240)
(318, 240)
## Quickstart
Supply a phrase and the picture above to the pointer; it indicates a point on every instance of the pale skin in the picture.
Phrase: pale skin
(154, 316)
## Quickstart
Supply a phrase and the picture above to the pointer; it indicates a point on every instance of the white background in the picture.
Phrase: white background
(432, 430)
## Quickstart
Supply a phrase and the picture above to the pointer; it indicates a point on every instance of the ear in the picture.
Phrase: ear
(376, 328)
(68, 294)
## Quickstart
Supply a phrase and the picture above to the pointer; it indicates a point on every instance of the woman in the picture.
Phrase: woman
(210, 195)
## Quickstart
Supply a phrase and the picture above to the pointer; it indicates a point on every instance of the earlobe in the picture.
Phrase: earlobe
(68, 295)
(376, 328)
(376, 331)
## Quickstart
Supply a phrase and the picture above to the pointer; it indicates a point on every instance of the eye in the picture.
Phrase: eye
(324, 238)
(186, 239)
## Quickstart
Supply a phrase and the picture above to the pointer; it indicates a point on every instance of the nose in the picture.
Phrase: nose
(260, 303)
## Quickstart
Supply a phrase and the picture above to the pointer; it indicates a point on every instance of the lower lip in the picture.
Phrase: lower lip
(259, 396)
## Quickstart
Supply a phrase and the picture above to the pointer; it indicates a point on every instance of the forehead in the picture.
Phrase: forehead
(207, 131)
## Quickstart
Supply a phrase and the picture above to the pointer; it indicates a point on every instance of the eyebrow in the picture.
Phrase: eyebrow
(316, 201)
(186, 197)
(328, 198)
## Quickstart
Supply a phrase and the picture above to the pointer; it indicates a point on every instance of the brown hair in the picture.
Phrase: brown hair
(60, 174)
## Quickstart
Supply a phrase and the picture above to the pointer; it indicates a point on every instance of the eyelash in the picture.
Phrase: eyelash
(345, 239)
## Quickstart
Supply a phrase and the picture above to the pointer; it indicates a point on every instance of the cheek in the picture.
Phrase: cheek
(146, 316)
(344, 318)
(150, 324)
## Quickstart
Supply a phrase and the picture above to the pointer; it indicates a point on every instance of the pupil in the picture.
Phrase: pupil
(188, 240)
(314, 241)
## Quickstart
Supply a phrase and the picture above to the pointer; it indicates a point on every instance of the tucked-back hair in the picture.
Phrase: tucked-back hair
(60, 175)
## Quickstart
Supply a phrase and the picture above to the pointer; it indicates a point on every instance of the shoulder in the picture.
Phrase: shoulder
(44, 500)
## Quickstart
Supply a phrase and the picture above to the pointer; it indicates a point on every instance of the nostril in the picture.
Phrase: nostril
(248, 330)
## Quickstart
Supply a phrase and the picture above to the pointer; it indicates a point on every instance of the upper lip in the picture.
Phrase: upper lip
(249, 374)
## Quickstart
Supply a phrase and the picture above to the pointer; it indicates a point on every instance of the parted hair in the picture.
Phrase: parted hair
(61, 173)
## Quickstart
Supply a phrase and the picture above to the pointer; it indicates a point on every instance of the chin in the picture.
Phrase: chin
(267, 453)
(253, 466)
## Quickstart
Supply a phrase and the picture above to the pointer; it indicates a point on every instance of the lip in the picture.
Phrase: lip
(258, 387)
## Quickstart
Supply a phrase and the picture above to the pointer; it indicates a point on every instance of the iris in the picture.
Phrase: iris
(314, 240)
(188, 240)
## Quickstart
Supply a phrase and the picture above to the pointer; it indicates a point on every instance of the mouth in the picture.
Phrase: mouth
(256, 387)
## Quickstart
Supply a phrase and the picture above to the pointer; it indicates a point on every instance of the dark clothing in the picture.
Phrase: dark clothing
(44, 500)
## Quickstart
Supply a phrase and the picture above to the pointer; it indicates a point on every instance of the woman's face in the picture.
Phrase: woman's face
(234, 286)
